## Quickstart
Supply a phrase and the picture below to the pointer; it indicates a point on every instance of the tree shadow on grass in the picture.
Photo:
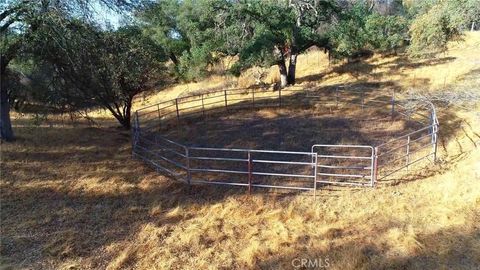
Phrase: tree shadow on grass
(75, 203)
(451, 128)
(75, 213)
(362, 67)
(450, 248)
(64, 197)
(42, 220)
(404, 62)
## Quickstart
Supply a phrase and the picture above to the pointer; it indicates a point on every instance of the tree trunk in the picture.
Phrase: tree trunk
(5, 123)
(123, 119)
(126, 122)
(283, 73)
(174, 59)
(280, 59)
(294, 50)
(291, 68)
(121, 112)
(127, 115)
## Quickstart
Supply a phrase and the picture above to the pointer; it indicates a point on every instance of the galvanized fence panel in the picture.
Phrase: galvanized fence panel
(345, 164)
(404, 151)
(253, 168)
(358, 165)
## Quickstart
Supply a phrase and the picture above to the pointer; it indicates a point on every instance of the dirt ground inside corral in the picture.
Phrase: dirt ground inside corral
(294, 129)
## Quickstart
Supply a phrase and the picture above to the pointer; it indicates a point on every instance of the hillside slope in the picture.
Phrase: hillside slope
(73, 198)
(314, 69)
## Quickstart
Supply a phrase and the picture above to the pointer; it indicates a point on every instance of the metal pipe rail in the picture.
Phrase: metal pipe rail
(325, 161)
(251, 170)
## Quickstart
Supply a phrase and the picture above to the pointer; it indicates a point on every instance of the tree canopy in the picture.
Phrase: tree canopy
(105, 68)
(436, 22)
(361, 28)
(58, 32)
(76, 63)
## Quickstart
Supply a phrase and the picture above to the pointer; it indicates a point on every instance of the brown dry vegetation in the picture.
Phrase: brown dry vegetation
(281, 128)
(73, 198)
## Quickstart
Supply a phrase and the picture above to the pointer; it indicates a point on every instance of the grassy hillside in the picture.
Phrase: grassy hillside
(73, 198)
(314, 69)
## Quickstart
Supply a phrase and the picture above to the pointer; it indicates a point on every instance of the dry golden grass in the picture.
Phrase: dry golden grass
(313, 68)
(72, 198)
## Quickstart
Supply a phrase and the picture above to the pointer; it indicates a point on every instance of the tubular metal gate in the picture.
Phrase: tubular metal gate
(248, 166)
(353, 165)
(345, 164)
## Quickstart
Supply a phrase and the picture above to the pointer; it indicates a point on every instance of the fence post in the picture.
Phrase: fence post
(176, 106)
(372, 167)
(393, 102)
(375, 166)
(158, 110)
(137, 120)
(435, 145)
(315, 177)
(189, 175)
(407, 160)
(250, 165)
(226, 107)
(135, 131)
(434, 135)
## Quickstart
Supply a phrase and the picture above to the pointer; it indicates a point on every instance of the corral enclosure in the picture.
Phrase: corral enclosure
(290, 128)
(286, 139)
(74, 199)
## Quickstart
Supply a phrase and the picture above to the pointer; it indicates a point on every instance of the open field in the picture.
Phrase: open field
(73, 198)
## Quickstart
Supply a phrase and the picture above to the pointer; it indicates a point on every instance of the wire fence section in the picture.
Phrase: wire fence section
(354, 165)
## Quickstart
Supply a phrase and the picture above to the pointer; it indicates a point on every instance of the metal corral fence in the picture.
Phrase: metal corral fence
(354, 165)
